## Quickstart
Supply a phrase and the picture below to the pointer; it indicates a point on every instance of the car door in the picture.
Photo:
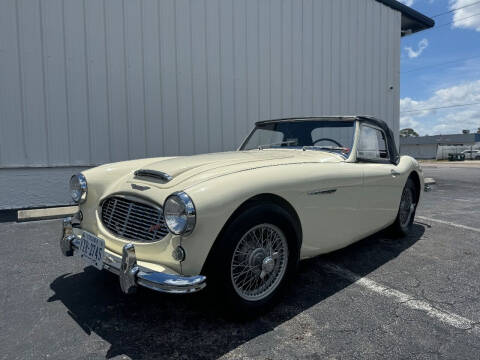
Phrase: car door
(382, 180)
(329, 207)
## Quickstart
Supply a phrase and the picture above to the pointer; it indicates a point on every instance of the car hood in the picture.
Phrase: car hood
(189, 170)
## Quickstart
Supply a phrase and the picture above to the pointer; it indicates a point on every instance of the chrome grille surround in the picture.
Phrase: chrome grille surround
(133, 219)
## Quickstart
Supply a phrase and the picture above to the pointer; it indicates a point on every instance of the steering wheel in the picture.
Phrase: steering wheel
(328, 139)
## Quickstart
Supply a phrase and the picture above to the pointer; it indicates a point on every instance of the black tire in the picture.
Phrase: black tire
(404, 221)
(219, 269)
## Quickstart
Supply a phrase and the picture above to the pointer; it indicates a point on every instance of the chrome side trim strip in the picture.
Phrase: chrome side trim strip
(322, 192)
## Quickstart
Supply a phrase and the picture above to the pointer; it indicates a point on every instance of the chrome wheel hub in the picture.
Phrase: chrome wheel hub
(256, 257)
(259, 262)
(268, 264)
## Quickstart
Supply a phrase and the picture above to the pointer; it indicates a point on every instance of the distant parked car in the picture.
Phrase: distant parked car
(456, 157)
(471, 154)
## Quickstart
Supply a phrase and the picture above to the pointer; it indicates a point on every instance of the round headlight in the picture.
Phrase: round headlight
(78, 188)
(179, 213)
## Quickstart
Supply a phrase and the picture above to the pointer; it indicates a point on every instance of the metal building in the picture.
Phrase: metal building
(85, 82)
(438, 146)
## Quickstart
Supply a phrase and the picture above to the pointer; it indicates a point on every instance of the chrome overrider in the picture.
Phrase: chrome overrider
(130, 273)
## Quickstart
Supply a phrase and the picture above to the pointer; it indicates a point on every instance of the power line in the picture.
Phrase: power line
(439, 107)
(449, 23)
(454, 21)
(440, 64)
(452, 10)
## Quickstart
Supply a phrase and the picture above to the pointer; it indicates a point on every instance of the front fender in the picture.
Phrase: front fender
(217, 199)
(215, 202)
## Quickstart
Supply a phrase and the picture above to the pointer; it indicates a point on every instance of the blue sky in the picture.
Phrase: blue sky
(427, 82)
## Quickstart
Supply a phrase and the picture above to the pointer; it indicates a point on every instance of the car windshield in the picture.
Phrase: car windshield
(324, 135)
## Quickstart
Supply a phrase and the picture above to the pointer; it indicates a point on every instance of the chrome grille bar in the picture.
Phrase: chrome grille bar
(133, 220)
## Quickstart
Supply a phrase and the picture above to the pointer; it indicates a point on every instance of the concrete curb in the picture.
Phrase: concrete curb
(47, 213)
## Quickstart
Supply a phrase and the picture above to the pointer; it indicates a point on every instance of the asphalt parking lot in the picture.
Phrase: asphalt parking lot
(416, 297)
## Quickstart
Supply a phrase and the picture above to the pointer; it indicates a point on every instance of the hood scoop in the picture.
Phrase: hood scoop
(153, 174)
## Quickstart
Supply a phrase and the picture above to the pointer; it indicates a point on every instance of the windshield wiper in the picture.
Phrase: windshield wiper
(261, 147)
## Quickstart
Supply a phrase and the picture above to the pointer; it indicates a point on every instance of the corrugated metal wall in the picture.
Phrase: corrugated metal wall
(84, 82)
(420, 151)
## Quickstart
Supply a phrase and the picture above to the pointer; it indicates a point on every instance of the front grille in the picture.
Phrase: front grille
(133, 220)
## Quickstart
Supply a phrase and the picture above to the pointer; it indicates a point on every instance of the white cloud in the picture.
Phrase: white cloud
(443, 121)
(407, 2)
(422, 45)
(408, 122)
(468, 17)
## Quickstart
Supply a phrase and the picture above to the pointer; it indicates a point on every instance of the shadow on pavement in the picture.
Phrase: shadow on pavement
(151, 325)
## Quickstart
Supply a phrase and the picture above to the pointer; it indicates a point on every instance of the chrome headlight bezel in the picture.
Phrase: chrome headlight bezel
(179, 222)
(78, 188)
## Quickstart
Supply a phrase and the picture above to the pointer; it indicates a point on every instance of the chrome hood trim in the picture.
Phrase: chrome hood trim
(153, 174)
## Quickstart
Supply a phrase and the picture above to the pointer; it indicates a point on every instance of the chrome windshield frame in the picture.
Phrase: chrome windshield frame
(318, 119)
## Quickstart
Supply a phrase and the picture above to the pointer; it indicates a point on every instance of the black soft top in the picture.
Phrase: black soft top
(392, 148)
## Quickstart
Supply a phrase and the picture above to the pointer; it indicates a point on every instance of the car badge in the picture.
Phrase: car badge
(155, 227)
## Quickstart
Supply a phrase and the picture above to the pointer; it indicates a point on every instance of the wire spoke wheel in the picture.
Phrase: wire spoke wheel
(407, 206)
(259, 262)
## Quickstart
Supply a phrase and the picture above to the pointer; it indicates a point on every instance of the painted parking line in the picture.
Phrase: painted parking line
(448, 223)
(406, 300)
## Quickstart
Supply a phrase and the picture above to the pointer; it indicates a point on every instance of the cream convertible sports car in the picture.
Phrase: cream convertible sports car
(240, 221)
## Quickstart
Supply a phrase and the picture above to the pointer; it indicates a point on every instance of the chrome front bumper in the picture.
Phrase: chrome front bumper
(130, 273)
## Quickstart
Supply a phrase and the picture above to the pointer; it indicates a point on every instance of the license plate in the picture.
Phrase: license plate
(92, 249)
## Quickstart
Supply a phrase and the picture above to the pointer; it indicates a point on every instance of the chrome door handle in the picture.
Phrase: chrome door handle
(394, 173)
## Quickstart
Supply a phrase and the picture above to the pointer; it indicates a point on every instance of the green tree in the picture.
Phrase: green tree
(408, 132)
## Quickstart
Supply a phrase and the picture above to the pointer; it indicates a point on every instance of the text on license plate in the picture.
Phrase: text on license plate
(92, 249)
